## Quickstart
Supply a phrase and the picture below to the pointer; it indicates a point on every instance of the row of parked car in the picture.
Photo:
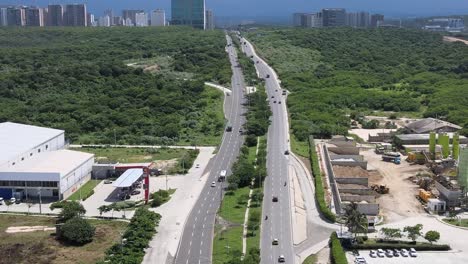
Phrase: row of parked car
(13, 200)
(380, 253)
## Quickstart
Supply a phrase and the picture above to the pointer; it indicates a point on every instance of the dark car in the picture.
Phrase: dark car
(135, 192)
(268, 76)
(275, 199)
(286, 152)
(275, 242)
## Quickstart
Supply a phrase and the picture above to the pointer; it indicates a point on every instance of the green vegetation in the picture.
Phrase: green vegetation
(136, 238)
(42, 247)
(77, 231)
(332, 72)
(319, 188)
(161, 197)
(77, 79)
(337, 253)
(234, 205)
(396, 244)
(453, 221)
(85, 191)
(312, 259)
(226, 244)
(133, 155)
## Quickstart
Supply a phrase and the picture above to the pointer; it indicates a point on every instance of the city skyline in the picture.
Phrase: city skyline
(262, 8)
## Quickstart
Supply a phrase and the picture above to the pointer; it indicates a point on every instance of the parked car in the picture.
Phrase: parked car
(389, 253)
(380, 253)
(412, 253)
(396, 253)
(281, 259)
(18, 201)
(1, 200)
(275, 241)
(135, 192)
(107, 182)
(360, 260)
(13, 200)
(404, 253)
(373, 254)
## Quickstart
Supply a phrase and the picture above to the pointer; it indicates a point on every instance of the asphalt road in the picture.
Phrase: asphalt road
(278, 224)
(197, 239)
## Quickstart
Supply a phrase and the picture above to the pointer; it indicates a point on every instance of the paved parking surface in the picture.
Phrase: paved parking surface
(423, 257)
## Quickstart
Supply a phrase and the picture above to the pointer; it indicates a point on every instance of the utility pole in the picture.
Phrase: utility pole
(40, 201)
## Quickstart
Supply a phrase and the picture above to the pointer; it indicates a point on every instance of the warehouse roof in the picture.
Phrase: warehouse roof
(424, 136)
(59, 161)
(430, 124)
(16, 139)
(128, 178)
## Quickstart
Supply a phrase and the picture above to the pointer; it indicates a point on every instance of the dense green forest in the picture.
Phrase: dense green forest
(91, 83)
(334, 72)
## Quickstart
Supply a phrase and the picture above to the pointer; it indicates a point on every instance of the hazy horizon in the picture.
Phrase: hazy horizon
(268, 8)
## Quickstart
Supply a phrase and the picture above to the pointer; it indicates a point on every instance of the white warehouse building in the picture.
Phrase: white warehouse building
(33, 162)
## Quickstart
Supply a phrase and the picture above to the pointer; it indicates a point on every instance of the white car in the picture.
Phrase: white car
(1, 200)
(413, 253)
(360, 260)
(404, 253)
(373, 254)
(281, 259)
(213, 184)
(380, 253)
(13, 200)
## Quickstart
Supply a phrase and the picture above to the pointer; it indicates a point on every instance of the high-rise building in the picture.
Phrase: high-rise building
(158, 18)
(209, 20)
(297, 19)
(55, 15)
(104, 21)
(75, 15)
(110, 14)
(90, 20)
(118, 21)
(352, 20)
(188, 12)
(141, 20)
(130, 14)
(334, 17)
(3, 17)
(34, 17)
(376, 20)
(363, 19)
(16, 16)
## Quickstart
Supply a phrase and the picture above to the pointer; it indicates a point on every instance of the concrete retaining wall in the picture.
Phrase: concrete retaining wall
(353, 180)
(344, 150)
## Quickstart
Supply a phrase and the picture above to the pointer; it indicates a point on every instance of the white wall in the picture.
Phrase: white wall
(79, 174)
(55, 143)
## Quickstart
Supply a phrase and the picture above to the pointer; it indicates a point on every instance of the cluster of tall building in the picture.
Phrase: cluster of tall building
(184, 12)
(445, 24)
(337, 17)
(53, 15)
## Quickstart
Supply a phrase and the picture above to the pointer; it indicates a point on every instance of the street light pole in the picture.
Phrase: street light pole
(40, 201)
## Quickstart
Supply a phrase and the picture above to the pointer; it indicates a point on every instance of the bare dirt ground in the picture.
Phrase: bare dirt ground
(344, 171)
(452, 39)
(400, 203)
(25, 229)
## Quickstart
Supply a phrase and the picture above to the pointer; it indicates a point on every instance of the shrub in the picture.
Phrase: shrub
(77, 231)
(400, 245)
(319, 191)
(157, 201)
(337, 253)
(71, 209)
(88, 195)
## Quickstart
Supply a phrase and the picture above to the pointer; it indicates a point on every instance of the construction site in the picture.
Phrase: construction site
(420, 168)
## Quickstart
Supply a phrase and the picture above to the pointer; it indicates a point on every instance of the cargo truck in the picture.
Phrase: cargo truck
(222, 176)
(392, 157)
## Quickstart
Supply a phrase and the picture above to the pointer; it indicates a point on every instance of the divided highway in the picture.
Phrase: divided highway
(197, 239)
(278, 224)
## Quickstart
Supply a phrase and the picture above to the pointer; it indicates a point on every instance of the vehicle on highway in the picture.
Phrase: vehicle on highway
(268, 75)
(389, 253)
(213, 184)
(274, 102)
(380, 253)
(404, 253)
(222, 176)
(107, 182)
(229, 128)
(275, 199)
(272, 96)
(251, 56)
(275, 241)
(276, 90)
(281, 259)
(241, 131)
(284, 92)
(197, 166)
(258, 62)
(279, 102)
(286, 152)
(412, 253)
(373, 254)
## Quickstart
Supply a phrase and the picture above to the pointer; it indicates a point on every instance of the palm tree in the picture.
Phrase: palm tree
(355, 220)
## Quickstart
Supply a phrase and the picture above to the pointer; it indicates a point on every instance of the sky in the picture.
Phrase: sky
(279, 8)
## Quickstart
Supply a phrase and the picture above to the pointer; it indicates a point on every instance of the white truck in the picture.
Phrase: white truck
(222, 176)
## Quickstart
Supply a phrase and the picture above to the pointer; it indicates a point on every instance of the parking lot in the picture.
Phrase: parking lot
(450, 257)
